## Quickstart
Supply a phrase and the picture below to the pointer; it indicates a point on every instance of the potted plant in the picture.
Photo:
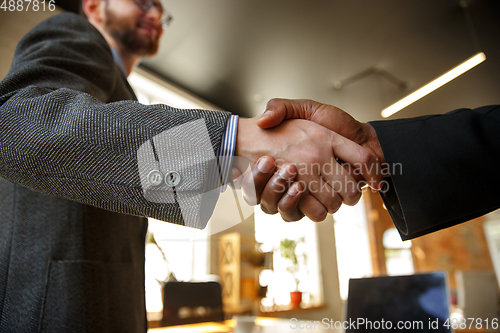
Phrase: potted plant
(288, 250)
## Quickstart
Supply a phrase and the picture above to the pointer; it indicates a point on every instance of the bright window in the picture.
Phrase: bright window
(353, 246)
(398, 258)
(271, 230)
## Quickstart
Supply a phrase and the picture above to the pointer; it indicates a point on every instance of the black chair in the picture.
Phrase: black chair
(191, 302)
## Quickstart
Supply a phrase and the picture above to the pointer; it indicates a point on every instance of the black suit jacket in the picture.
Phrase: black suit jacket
(444, 168)
(70, 259)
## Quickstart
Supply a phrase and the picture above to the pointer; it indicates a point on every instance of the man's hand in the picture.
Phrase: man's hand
(273, 196)
(263, 182)
(313, 150)
(335, 119)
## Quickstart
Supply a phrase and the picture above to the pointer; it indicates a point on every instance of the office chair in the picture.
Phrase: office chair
(191, 302)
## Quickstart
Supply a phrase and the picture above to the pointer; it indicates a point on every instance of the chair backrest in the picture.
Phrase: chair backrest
(191, 302)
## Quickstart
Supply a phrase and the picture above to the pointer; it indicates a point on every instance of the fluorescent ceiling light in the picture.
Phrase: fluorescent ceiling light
(430, 87)
(157, 90)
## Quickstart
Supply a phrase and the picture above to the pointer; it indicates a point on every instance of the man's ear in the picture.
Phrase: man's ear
(93, 9)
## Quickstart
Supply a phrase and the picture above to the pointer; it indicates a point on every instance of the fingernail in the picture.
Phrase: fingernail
(294, 190)
(267, 113)
(264, 165)
(284, 172)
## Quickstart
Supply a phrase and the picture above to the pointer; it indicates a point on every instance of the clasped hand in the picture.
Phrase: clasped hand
(301, 167)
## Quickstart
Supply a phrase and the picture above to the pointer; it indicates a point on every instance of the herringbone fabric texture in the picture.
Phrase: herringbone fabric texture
(70, 259)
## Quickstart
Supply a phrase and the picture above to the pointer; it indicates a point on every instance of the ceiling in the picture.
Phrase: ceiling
(238, 54)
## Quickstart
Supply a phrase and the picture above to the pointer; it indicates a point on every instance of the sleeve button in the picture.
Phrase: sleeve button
(155, 178)
(172, 178)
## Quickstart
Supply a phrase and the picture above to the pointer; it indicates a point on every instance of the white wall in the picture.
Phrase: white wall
(13, 26)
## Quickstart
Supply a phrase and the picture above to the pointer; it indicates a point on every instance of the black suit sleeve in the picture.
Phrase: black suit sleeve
(443, 168)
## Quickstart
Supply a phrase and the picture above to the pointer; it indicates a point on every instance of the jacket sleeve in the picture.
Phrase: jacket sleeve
(65, 131)
(443, 168)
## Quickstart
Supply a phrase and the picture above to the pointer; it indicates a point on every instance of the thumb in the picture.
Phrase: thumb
(279, 109)
(272, 117)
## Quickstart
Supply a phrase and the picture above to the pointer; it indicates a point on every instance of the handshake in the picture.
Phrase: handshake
(316, 159)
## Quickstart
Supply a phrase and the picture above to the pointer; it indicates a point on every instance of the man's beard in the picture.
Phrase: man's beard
(128, 37)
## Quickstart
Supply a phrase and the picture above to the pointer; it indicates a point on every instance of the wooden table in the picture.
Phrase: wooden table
(268, 325)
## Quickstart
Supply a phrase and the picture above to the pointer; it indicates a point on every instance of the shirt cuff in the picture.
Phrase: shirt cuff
(225, 153)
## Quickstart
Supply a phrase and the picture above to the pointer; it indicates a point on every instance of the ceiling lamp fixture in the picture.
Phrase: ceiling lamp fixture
(430, 87)
(447, 77)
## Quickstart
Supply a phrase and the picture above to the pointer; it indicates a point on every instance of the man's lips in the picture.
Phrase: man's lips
(151, 30)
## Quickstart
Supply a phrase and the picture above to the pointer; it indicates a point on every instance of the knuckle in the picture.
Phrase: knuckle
(291, 216)
(352, 196)
(318, 216)
(287, 218)
(365, 156)
(313, 209)
(334, 210)
(353, 193)
(334, 204)
(268, 210)
(354, 201)
(287, 206)
(351, 201)
(275, 187)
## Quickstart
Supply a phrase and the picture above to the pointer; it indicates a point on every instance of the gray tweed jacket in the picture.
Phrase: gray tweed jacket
(72, 199)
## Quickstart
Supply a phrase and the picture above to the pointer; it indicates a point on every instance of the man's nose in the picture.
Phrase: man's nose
(154, 14)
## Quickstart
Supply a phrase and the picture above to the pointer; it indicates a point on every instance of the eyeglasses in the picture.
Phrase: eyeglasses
(145, 5)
